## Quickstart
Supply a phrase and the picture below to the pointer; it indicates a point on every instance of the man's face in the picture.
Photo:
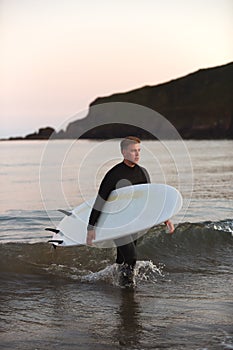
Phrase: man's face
(132, 153)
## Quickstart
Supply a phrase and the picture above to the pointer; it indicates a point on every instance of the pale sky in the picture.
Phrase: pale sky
(57, 56)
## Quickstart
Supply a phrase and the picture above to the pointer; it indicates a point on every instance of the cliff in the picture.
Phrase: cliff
(199, 105)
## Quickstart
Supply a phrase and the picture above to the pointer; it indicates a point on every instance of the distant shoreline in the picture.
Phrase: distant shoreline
(15, 139)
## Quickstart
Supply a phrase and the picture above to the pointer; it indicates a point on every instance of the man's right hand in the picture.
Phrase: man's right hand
(90, 237)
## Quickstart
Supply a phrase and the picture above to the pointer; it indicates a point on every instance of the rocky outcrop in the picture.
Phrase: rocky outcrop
(42, 134)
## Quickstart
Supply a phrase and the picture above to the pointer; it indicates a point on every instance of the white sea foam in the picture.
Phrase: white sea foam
(144, 271)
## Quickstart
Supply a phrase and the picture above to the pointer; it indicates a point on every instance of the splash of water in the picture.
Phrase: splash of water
(144, 271)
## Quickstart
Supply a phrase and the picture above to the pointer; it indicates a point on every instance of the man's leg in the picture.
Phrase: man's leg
(127, 254)
(127, 257)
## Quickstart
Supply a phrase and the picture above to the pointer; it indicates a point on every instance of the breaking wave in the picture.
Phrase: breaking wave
(196, 247)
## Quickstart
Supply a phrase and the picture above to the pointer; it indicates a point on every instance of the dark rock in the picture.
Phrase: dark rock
(42, 134)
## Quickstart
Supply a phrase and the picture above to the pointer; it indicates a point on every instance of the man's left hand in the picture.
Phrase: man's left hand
(170, 226)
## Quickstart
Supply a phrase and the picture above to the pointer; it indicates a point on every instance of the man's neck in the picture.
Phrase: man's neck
(129, 163)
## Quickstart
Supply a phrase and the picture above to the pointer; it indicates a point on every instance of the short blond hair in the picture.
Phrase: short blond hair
(129, 140)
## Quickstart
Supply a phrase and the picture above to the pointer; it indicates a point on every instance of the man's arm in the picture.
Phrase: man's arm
(105, 189)
(94, 216)
(146, 174)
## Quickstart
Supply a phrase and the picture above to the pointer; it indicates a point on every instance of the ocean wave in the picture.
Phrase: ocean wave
(199, 247)
(26, 226)
(196, 247)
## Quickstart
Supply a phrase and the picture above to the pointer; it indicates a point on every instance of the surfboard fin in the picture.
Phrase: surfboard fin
(58, 241)
(67, 213)
(54, 230)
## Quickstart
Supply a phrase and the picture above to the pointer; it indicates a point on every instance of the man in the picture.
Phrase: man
(126, 173)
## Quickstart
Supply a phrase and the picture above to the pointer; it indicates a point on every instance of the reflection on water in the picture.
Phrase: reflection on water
(129, 328)
(181, 311)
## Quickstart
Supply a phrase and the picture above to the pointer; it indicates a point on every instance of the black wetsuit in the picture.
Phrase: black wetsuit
(121, 175)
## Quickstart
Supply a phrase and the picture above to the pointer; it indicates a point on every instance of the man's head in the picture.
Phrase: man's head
(130, 149)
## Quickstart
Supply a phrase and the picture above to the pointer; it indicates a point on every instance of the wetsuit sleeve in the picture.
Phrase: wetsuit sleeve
(106, 187)
(147, 176)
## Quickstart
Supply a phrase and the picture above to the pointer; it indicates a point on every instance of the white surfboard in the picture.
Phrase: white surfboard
(127, 214)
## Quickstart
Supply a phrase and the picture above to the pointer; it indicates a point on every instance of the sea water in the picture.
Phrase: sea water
(69, 298)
